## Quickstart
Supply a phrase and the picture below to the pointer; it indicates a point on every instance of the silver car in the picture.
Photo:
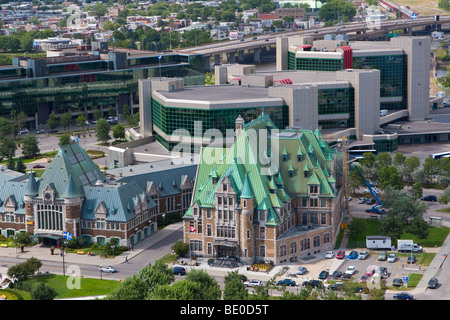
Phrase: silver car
(392, 257)
(363, 255)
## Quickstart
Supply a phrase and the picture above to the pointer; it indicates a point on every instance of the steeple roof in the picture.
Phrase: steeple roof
(32, 186)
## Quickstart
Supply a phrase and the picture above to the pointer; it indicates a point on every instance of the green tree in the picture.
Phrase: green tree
(20, 166)
(383, 160)
(5, 127)
(419, 228)
(52, 121)
(102, 129)
(30, 146)
(81, 120)
(391, 226)
(64, 139)
(11, 164)
(180, 248)
(7, 147)
(119, 132)
(416, 191)
(66, 120)
(98, 114)
(234, 287)
(337, 10)
(443, 199)
(210, 287)
(25, 269)
(389, 176)
(41, 291)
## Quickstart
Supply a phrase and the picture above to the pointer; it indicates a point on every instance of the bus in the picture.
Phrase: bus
(440, 155)
(360, 152)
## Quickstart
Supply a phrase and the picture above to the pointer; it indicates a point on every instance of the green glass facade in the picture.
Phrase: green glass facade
(337, 101)
(88, 85)
(316, 64)
(168, 119)
(386, 145)
(393, 77)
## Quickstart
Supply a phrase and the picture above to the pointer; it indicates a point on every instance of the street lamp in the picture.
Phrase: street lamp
(156, 45)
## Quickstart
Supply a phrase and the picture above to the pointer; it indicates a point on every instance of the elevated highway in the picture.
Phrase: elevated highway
(234, 49)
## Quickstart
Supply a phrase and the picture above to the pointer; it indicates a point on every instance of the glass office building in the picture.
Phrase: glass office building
(84, 83)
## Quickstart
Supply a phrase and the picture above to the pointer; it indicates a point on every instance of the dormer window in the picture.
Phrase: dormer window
(313, 189)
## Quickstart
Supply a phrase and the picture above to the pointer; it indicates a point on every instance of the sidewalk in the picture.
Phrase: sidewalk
(43, 252)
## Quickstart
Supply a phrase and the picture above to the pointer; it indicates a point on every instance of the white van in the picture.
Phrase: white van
(383, 113)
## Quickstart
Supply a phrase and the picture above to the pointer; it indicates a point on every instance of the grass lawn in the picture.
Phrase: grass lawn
(436, 235)
(88, 286)
(413, 281)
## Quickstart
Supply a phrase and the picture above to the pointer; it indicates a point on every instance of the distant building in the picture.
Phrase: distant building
(297, 13)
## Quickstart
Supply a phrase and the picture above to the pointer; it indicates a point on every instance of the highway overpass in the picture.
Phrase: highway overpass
(235, 49)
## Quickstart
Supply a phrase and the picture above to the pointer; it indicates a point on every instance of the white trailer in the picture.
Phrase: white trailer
(378, 242)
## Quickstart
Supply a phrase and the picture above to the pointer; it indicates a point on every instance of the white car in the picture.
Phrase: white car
(374, 190)
(23, 131)
(107, 269)
(253, 283)
(392, 257)
(362, 200)
(329, 255)
(351, 270)
(363, 255)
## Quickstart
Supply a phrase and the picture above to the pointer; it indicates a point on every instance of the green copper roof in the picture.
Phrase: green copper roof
(246, 189)
(70, 161)
(72, 190)
(32, 186)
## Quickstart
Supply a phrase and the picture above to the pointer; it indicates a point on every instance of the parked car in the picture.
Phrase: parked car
(363, 255)
(38, 166)
(340, 254)
(243, 278)
(23, 131)
(52, 131)
(429, 198)
(374, 190)
(351, 270)
(179, 271)
(313, 283)
(364, 278)
(433, 283)
(362, 200)
(336, 274)
(323, 275)
(337, 286)
(370, 202)
(353, 255)
(392, 257)
(346, 276)
(107, 269)
(40, 131)
(382, 256)
(329, 255)
(253, 283)
(254, 38)
(287, 282)
(398, 282)
(411, 259)
(403, 296)
(301, 270)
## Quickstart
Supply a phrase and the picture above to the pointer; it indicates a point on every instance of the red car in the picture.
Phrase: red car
(340, 255)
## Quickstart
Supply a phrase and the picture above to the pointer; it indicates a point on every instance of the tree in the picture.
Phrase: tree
(98, 114)
(419, 228)
(383, 160)
(81, 120)
(64, 139)
(25, 269)
(20, 166)
(180, 248)
(416, 191)
(443, 199)
(66, 120)
(5, 127)
(119, 132)
(7, 147)
(102, 129)
(52, 121)
(399, 159)
(41, 291)
(389, 176)
(210, 287)
(140, 285)
(391, 226)
(337, 10)
(30, 147)
(234, 287)
(11, 164)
